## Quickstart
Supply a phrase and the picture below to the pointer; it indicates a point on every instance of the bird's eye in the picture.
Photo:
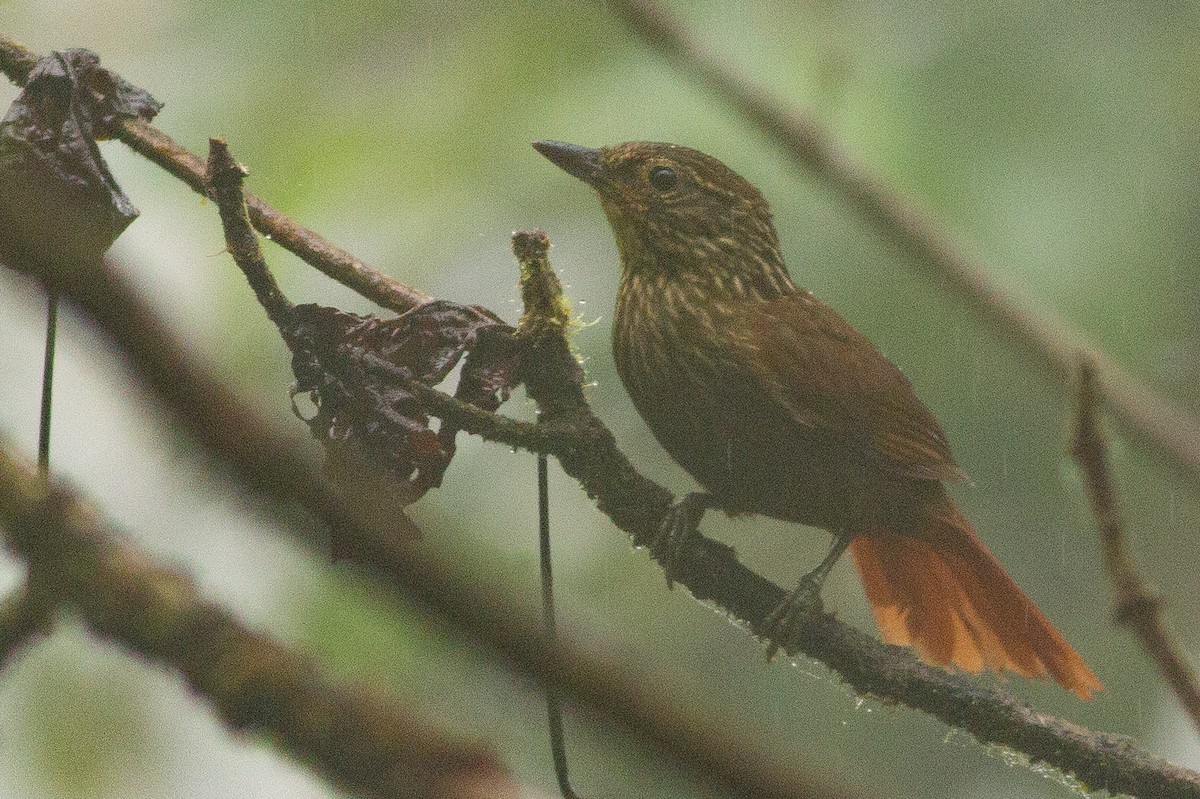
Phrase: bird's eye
(663, 178)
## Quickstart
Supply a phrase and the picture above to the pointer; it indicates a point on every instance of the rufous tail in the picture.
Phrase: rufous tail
(946, 595)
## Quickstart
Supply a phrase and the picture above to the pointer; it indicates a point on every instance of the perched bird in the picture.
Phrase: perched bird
(777, 406)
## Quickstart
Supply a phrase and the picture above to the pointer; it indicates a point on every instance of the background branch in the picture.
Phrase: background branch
(16, 61)
(589, 453)
(439, 587)
(359, 740)
(24, 615)
(1046, 340)
(586, 449)
(1135, 606)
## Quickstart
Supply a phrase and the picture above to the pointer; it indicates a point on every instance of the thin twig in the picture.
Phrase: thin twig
(1046, 340)
(360, 740)
(16, 61)
(1135, 605)
(277, 466)
(545, 313)
(377, 549)
(225, 177)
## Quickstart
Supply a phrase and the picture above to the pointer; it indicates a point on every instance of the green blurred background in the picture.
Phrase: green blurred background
(1058, 142)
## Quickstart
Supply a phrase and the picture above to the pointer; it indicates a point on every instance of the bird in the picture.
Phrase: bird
(777, 406)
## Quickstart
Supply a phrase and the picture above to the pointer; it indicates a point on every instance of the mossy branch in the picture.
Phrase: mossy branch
(636, 505)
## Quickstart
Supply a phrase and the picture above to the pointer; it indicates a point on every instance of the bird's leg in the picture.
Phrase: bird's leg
(677, 530)
(803, 600)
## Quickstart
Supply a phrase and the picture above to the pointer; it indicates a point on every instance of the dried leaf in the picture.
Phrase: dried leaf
(366, 414)
(487, 378)
(58, 199)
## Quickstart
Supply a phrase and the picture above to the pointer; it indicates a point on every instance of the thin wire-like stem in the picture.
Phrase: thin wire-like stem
(274, 465)
(372, 541)
(554, 714)
(43, 460)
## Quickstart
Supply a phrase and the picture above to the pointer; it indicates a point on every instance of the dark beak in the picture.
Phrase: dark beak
(582, 162)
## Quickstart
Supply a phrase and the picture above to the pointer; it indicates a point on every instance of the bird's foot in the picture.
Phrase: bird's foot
(790, 615)
(677, 531)
(785, 622)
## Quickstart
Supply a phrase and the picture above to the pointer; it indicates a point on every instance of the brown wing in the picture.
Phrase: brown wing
(831, 377)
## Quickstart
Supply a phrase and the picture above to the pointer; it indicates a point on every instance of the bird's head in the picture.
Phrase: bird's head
(675, 211)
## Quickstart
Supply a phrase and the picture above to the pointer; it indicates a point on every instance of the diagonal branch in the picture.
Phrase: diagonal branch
(362, 741)
(1134, 604)
(277, 467)
(24, 615)
(1046, 340)
(588, 452)
(16, 61)
(308, 245)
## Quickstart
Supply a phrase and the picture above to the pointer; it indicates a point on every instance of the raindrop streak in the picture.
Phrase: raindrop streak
(1062, 549)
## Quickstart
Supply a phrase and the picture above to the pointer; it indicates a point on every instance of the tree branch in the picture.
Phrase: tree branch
(712, 573)
(16, 61)
(24, 615)
(1046, 340)
(588, 452)
(1135, 605)
(225, 183)
(543, 325)
(358, 740)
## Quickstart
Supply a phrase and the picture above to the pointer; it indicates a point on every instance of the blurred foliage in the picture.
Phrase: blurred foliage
(1056, 141)
(84, 729)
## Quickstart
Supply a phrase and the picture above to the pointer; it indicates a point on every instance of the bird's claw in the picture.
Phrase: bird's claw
(790, 615)
(786, 621)
(677, 531)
